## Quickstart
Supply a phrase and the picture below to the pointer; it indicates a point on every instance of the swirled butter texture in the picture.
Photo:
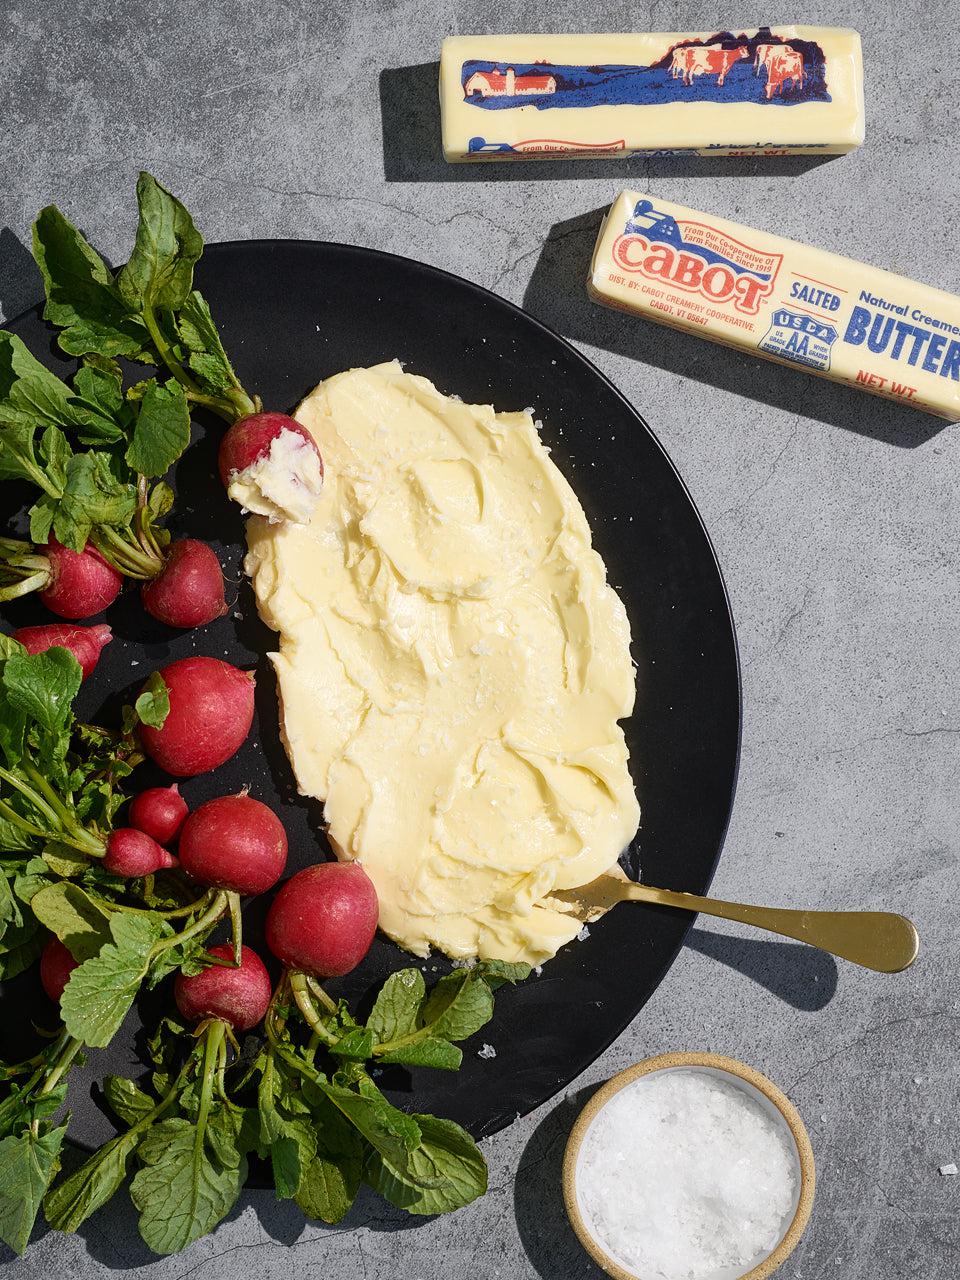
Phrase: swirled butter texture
(452, 666)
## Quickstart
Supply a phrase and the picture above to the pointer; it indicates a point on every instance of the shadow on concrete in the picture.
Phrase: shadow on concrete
(21, 285)
(545, 1232)
(557, 295)
(800, 976)
(410, 114)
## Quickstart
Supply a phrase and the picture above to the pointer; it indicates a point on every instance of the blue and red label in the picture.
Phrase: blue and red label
(696, 257)
(799, 337)
(763, 68)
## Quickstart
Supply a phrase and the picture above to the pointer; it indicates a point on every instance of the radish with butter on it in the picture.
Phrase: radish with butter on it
(270, 464)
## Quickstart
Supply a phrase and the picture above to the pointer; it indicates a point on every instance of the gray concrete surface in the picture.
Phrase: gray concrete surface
(835, 516)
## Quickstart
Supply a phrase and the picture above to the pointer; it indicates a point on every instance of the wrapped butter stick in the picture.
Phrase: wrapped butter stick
(767, 91)
(782, 300)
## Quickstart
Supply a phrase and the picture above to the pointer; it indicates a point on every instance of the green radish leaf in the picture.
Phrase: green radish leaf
(28, 1163)
(29, 392)
(199, 335)
(395, 1010)
(445, 1172)
(388, 1130)
(43, 686)
(64, 861)
(68, 912)
(153, 704)
(10, 913)
(182, 1191)
(99, 407)
(70, 1202)
(92, 496)
(100, 991)
(162, 429)
(357, 1045)
(56, 454)
(18, 458)
(41, 518)
(21, 958)
(82, 298)
(126, 1100)
(160, 501)
(429, 1052)
(13, 839)
(331, 1180)
(168, 245)
(459, 1005)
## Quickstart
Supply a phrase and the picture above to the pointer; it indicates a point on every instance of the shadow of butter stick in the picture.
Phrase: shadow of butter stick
(557, 295)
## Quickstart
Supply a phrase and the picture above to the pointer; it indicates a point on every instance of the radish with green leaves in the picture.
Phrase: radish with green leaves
(235, 994)
(131, 853)
(323, 920)
(159, 811)
(211, 711)
(235, 843)
(78, 583)
(85, 643)
(188, 590)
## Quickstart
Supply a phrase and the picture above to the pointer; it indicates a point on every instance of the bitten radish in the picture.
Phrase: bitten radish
(250, 438)
(56, 966)
(236, 843)
(160, 812)
(238, 996)
(211, 710)
(85, 643)
(132, 853)
(81, 582)
(272, 467)
(323, 920)
(188, 591)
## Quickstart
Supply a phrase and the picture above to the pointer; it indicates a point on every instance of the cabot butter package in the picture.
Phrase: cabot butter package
(765, 91)
(780, 299)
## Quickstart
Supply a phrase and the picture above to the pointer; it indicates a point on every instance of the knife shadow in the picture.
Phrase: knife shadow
(801, 976)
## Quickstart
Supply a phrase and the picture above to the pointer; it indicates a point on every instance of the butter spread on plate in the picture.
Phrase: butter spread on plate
(452, 666)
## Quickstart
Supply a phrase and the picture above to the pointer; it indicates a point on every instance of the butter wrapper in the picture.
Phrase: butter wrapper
(781, 300)
(763, 91)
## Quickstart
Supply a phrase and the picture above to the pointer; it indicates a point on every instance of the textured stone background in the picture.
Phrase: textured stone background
(835, 517)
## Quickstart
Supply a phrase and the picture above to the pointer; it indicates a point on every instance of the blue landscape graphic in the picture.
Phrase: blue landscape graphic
(582, 86)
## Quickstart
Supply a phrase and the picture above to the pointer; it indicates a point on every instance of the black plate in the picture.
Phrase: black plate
(292, 313)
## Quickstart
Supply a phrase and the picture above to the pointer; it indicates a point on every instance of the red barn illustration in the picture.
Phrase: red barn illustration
(507, 84)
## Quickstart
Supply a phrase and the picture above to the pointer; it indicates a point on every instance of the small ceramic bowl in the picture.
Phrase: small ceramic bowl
(776, 1104)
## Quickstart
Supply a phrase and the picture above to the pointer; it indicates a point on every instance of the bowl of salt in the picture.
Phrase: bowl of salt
(689, 1166)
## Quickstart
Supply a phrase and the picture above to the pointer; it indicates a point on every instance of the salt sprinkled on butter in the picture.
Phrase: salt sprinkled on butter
(682, 1175)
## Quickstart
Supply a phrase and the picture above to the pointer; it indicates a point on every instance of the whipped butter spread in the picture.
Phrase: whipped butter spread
(452, 666)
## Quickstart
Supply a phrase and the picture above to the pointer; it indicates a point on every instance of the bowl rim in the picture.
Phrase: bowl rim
(716, 1062)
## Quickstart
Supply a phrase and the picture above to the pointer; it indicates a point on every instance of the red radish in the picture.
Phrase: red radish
(238, 996)
(323, 919)
(81, 582)
(132, 853)
(159, 812)
(85, 643)
(250, 438)
(188, 590)
(211, 710)
(236, 843)
(56, 966)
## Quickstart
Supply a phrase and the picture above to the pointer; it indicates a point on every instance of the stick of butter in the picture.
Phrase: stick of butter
(767, 91)
(783, 300)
